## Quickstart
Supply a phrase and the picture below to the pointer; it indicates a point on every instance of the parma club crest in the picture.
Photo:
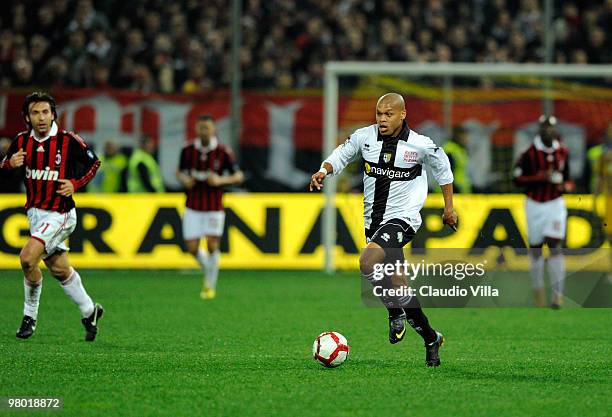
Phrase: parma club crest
(386, 157)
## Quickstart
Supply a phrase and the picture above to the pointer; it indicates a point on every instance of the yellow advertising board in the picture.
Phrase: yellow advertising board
(276, 230)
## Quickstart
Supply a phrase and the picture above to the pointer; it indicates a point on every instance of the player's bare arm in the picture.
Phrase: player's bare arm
(187, 180)
(316, 181)
(450, 215)
(216, 180)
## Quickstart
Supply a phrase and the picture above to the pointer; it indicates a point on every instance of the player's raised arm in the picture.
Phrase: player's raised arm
(336, 162)
(14, 158)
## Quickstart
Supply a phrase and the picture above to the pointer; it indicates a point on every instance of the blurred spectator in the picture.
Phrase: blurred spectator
(86, 17)
(144, 175)
(197, 81)
(183, 46)
(100, 46)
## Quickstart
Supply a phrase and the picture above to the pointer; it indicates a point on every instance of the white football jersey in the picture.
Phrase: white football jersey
(394, 180)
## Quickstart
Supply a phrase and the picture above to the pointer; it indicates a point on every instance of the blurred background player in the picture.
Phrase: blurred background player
(392, 203)
(111, 176)
(144, 174)
(51, 158)
(600, 170)
(202, 170)
(456, 150)
(543, 171)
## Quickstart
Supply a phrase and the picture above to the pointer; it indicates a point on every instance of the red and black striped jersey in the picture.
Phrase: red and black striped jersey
(198, 161)
(61, 155)
(542, 161)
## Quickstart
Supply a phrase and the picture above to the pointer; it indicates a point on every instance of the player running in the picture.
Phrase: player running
(201, 171)
(543, 170)
(55, 164)
(395, 189)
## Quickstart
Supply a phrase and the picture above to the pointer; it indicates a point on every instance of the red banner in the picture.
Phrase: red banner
(299, 117)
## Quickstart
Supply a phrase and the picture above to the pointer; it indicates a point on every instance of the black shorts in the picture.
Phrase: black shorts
(395, 234)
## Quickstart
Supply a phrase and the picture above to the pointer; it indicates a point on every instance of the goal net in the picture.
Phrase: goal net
(496, 106)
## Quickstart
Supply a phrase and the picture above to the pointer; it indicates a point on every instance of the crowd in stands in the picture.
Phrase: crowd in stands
(183, 46)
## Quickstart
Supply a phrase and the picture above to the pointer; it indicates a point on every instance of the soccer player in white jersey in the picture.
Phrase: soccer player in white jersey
(395, 189)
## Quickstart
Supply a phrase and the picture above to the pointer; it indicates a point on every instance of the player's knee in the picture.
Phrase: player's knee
(213, 244)
(29, 260)
(367, 262)
(192, 247)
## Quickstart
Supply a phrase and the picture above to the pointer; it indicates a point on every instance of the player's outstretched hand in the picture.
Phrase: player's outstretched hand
(18, 158)
(316, 181)
(66, 189)
(451, 219)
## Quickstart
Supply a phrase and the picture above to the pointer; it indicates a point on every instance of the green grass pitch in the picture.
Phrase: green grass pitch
(163, 351)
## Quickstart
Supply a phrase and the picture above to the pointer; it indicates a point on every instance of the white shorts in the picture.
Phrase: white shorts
(202, 223)
(51, 228)
(546, 219)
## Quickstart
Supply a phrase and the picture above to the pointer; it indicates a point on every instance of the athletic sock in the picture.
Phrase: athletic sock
(31, 298)
(556, 270)
(202, 259)
(212, 270)
(388, 302)
(536, 267)
(73, 287)
(418, 321)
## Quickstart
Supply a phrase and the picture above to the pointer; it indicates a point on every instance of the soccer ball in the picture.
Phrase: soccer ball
(330, 349)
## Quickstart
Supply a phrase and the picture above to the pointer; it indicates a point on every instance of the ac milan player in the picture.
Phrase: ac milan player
(55, 164)
(205, 167)
(543, 170)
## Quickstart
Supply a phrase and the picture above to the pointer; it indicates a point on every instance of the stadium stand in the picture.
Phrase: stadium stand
(183, 46)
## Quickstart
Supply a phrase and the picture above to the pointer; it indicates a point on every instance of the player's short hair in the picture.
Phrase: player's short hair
(36, 97)
(205, 118)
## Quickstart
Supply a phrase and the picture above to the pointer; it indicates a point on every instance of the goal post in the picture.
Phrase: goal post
(447, 72)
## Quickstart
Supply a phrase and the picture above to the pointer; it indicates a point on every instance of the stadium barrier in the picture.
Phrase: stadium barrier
(284, 231)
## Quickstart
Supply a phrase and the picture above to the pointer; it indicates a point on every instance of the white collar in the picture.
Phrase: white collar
(212, 144)
(541, 147)
(52, 132)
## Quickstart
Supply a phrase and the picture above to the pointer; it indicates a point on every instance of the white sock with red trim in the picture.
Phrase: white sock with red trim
(31, 300)
(73, 287)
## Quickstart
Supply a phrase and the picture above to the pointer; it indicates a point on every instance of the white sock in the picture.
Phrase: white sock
(202, 259)
(212, 270)
(536, 266)
(73, 287)
(556, 271)
(31, 298)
